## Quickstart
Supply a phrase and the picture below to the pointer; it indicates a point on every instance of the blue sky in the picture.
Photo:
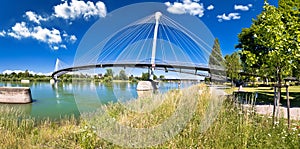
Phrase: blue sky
(34, 33)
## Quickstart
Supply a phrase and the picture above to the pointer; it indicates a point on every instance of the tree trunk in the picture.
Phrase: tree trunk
(278, 100)
(279, 91)
(276, 109)
(231, 80)
(275, 103)
(288, 106)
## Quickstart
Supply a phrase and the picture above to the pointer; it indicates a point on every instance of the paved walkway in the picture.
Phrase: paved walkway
(268, 110)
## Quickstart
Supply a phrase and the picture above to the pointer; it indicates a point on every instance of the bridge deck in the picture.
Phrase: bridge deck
(167, 67)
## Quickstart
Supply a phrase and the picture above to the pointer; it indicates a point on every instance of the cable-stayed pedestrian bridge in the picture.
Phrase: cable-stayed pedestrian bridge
(197, 70)
(155, 42)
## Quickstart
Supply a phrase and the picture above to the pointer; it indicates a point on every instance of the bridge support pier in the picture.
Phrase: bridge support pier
(53, 81)
(147, 85)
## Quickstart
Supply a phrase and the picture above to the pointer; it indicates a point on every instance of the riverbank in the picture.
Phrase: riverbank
(231, 128)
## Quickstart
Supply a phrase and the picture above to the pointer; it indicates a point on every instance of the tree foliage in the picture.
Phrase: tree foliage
(216, 63)
(233, 66)
(271, 45)
(162, 77)
(216, 58)
(145, 76)
(108, 72)
(122, 75)
(23, 75)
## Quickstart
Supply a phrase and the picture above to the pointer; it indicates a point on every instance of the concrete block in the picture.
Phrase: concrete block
(146, 85)
(15, 95)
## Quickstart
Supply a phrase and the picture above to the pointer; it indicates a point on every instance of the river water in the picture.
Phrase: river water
(54, 101)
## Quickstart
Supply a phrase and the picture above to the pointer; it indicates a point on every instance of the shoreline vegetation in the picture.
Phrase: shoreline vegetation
(108, 77)
(233, 127)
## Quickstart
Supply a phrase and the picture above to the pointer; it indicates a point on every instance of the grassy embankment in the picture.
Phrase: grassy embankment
(232, 128)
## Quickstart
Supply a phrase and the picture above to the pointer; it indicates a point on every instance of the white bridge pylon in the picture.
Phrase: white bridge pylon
(157, 17)
(59, 64)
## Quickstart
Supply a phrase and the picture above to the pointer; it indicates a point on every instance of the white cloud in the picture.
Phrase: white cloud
(242, 8)
(19, 31)
(176, 8)
(3, 33)
(16, 71)
(168, 4)
(69, 38)
(34, 17)
(210, 7)
(77, 9)
(31, 72)
(52, 37)
(63, 46)
(186, 7)
(230, 16)
(55, 47)
(73, 38)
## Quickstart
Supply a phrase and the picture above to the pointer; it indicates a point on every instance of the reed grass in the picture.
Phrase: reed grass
(231, 128)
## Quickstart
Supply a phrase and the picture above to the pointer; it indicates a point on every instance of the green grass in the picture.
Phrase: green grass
(266, 95)
(232, 128)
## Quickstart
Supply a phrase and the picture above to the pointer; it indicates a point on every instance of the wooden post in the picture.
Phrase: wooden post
(288, 106)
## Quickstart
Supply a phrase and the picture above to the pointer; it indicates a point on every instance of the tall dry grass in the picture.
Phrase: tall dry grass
(212, 124)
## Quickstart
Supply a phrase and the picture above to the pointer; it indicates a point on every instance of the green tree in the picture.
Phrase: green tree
(145, 76)
(109, 72)
(162, 77)
(216, 58)
(271, 44)
(216, 62)
(122, 75)
(154, 77)
(131, 78)
(20, 75)
(250, 51)
(108, 79)
(116, 77)
(26, 73)
(233, 66)
(290, 10)
(296, 70)
(13, 74)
